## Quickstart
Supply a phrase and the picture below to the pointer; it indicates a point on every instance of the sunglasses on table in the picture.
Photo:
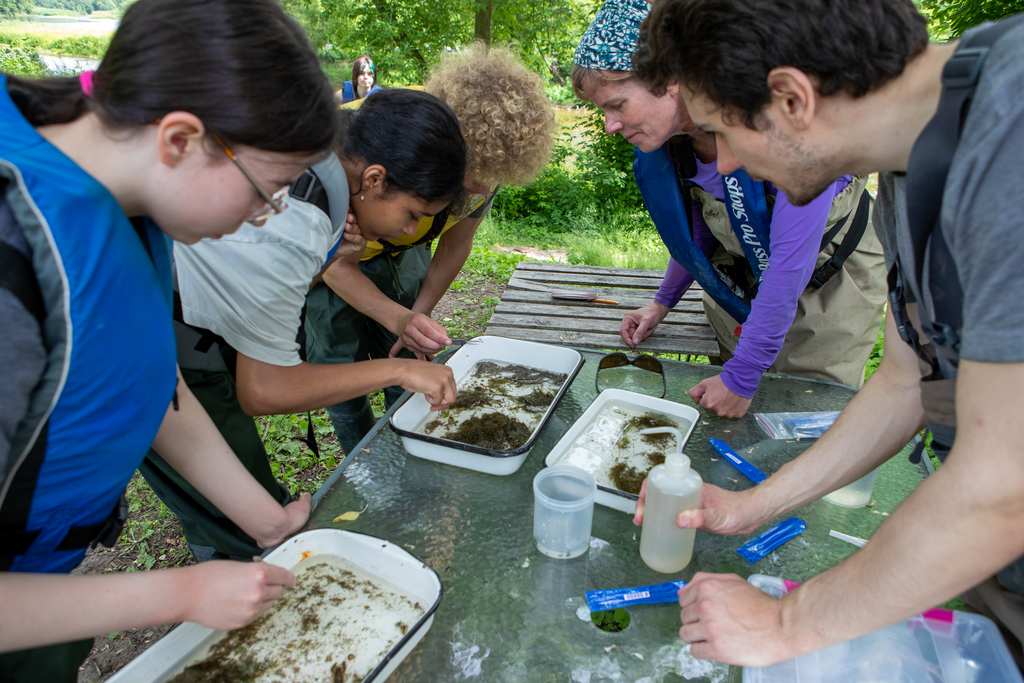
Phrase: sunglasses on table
(273, 204)
(641, 362)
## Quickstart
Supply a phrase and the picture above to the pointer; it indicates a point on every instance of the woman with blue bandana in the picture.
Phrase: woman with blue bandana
(797, 290)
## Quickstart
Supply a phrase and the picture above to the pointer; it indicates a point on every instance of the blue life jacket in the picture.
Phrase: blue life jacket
(347, 92)
(110, 367)
(748, 214)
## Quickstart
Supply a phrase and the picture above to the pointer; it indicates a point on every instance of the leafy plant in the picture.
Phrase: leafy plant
(613, 620)
(950, 18)
(19, 62)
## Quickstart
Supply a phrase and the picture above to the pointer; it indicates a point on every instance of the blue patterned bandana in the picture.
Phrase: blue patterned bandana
(612, 36)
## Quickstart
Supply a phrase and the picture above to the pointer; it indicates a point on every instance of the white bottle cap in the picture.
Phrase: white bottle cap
(676, 463)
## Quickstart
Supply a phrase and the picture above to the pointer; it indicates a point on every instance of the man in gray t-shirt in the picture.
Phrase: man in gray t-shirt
(834, 88)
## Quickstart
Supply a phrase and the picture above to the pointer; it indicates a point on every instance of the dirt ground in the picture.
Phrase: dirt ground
(464, 311)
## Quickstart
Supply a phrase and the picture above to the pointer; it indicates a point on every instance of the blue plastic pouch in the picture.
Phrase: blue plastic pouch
(599, 601)
(756, 548)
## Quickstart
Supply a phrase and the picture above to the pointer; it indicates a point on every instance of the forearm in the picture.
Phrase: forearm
(360, 293)
(444, 267)
(265, 389)
(963, 524)
(675, 283)
(42, 609)
(880, 420)
(191, 444)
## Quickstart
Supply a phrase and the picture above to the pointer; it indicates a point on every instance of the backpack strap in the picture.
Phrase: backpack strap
(927, 172)
(850, 242)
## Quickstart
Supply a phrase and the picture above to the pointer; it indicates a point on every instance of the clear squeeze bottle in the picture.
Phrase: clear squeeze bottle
(671, 488)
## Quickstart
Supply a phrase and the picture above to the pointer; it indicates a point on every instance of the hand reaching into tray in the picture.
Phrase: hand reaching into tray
(721, 512)
(228, 595)
(435, 382)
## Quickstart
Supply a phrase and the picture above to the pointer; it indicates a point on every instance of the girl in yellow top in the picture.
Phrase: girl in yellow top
(378, 303)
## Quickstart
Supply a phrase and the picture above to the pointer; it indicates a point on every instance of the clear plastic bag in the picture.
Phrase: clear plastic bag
(796, 425)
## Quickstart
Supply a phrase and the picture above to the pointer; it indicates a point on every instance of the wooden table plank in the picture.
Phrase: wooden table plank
(588, 340)
(595, 311)
(527, 310)
(625, 303)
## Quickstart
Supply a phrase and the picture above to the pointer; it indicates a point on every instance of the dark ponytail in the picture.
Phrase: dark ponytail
(414, 136)
(242, 66)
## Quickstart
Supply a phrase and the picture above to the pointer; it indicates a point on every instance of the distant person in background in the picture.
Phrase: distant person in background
(378, 304)
(363, 83)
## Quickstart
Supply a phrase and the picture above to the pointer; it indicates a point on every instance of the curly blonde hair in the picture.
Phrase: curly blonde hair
(508, 122)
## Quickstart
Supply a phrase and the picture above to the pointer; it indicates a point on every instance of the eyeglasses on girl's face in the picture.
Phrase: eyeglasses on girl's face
(273, 204)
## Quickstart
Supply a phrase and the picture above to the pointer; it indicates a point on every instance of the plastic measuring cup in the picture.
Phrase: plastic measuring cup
(563, 510)
(856, 494)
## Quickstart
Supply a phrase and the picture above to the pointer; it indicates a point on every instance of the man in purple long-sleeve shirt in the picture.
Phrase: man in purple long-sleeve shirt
(826, 333)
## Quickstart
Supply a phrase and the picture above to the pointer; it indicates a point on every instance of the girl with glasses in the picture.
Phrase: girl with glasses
(98, 172)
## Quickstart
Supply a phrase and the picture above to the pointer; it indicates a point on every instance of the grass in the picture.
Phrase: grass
(291, 460)
(38, 37)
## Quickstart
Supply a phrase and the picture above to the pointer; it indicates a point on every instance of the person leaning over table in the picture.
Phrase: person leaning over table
(803, 111)
(241, 297)
(789, 327)
(98, 172)
(378, 304)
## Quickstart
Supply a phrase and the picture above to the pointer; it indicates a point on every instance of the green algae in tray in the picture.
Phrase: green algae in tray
(498, 407)
(335, 627)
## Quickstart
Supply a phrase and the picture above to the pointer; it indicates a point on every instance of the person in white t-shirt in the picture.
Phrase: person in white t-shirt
(242, 296)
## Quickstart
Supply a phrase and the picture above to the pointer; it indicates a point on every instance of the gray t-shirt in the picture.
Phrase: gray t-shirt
(982, 215)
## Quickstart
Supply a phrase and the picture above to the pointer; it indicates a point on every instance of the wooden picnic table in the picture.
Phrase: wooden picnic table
(527, 310)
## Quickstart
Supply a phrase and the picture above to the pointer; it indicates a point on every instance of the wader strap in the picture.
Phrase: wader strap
(898, 306)
(849, 244)
(19, 277)
(300, 339)
(203, 346)
(308, 188)
(15, 542)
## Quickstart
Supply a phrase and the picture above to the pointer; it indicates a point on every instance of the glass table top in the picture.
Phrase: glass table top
(510, 613)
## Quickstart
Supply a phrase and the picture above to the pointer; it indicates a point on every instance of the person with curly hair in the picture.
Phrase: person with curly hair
(377, 304)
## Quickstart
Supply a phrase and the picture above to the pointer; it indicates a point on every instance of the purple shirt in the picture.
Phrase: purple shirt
(796, 234)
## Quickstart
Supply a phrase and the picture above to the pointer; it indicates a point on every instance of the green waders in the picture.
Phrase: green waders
(209, 533)
(49, 664)
(338, 333)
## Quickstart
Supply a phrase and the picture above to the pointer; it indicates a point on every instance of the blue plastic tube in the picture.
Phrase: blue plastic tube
(756, 548)
(600, 601)
(752, 473)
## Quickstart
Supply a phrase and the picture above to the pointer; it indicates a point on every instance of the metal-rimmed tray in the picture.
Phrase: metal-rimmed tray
(546, 357)
(374, 556)
(610, 496)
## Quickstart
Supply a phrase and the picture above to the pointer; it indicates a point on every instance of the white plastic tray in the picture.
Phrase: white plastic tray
(531, 354)
(609, 398)
(940, 646)
(378, 558)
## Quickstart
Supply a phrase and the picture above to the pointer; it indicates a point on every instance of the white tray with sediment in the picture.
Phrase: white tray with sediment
(605, 442)
(508, 389)
(360, 605)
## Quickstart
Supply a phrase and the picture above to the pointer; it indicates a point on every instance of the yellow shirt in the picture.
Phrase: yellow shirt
(475, 203)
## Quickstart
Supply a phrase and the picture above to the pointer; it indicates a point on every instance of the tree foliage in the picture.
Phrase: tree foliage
(12, 7)
(950, 18)
(406, 37)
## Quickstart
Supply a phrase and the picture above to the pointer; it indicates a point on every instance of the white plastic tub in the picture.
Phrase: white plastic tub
(495, 349)
(562, 453)
(940, 646)
(373, 556)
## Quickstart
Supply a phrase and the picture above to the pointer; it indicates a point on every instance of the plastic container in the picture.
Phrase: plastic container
(374, 557)
(563, 511)
(487, 348)
(856, 494)
(939, 646)
(565, 451)
(671, 488)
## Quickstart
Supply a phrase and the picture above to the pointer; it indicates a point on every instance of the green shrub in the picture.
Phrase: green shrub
(19, 62)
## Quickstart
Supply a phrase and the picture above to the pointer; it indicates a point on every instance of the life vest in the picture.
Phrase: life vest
(109, 376)
(748, 213)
